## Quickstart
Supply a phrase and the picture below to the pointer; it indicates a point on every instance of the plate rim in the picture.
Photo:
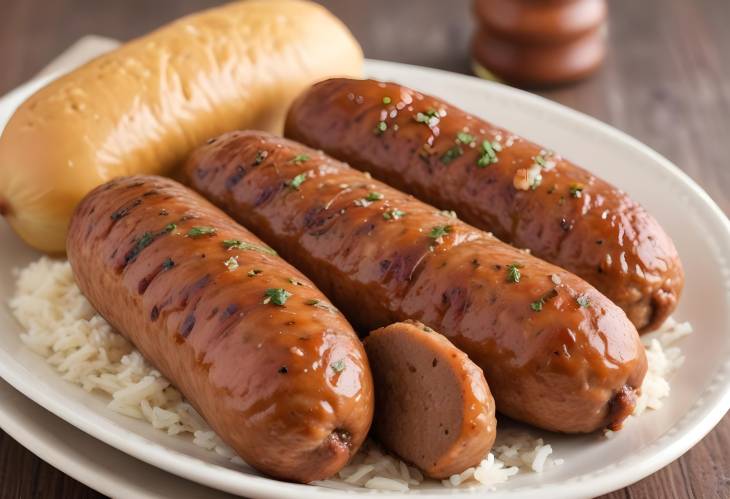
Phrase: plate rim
(232, 481)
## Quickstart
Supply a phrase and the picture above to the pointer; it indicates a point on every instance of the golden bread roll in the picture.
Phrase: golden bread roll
(143, 107)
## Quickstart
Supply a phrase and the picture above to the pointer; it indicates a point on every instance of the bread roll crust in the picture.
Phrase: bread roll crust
(141, 108)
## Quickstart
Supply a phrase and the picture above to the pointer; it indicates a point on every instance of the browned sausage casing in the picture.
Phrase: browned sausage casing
(433, 150)
(556, 352)
(288, 387)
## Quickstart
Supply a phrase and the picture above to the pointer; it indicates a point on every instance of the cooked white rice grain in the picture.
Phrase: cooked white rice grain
(63, 327)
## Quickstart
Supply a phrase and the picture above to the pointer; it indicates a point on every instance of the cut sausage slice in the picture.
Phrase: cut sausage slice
(433, 406)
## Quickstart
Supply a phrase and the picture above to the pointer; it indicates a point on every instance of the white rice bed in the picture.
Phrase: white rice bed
(62, 327)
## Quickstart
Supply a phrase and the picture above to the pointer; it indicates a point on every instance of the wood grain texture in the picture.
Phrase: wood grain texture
(666, 82)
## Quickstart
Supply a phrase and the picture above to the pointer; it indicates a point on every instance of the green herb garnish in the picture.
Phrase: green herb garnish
(393, 214)
(387, 100)
(320, 304)
(299, 159)
(536, 181)
(488, 154)
(451, 155)
(201, 231)
(428, 117)
(576, 190)
(170, 227)
(338, 366)
(374, 196)
(539, 160)
(438, 233)
(144, 240)
(464, 138)
(297, 181)
(380, 128)
(231, 264)
(260, 157)
(583, 301)
(537, 305)
(277, 296)
(168, 264)
(237, 244)
(513, 273)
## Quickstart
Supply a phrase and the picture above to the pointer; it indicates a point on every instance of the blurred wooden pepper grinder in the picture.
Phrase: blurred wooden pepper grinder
(535, 43)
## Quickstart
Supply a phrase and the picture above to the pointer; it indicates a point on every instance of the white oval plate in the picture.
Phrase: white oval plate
(593, 465)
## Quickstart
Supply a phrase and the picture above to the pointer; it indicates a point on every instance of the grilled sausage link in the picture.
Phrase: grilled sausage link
(497, 181)
(284, 382)
(556, 352)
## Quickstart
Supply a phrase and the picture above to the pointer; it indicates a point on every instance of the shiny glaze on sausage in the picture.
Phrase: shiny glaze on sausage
(570, 218)
(284, 382)
(556, 352)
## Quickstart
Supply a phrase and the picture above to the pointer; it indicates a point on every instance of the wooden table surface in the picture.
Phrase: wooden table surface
(666, 82)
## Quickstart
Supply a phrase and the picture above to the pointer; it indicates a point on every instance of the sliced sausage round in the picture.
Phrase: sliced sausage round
(433, 407)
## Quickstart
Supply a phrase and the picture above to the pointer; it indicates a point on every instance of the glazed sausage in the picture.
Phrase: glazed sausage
(275, 370)
(500, 182)
(556, 352)
(433, 406)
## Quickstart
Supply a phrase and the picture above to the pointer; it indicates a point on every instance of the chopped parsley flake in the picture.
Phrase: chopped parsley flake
(362, 202)
(540, 160)
(387, 100)
(374, 196)
(380, 128)
(538, 304)
(144, 240)
(277, 296)
(170, 227)
(201, 231)
(393, 214)
(513, 273)
(536, 181)
(231, 264)
(451, 155)
(338, 366)
(260, 157)
(488, 154)
(168, 264)
(299, 159)
(320, 304)
(254, 272)
(237, 244)
(438, 233)
(430, 117)
(464, 138)
(583, 301)
(297, 181)
(576, 190)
